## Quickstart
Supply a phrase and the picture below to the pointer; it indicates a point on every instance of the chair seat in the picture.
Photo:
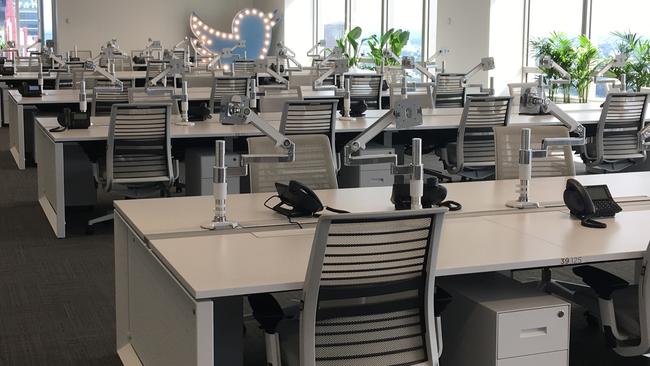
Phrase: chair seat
(626, 304)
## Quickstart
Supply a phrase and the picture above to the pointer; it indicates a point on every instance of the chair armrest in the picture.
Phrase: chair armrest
(603, 282)
(441, 300)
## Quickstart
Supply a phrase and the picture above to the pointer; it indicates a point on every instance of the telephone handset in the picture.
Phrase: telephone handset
(72, 120)
(434, 195)
(300, 200)
(589, 202)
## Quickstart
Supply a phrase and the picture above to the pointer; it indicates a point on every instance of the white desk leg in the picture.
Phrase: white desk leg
(121, 234)
(17, 134)
(4, 88)
(50, 178)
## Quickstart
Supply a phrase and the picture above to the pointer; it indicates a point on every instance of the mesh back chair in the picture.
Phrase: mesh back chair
(155, 67)
(138, 152)
(82, 54)
(623, 308)
(472, 156)
(124, 64)
(559, 162)
(616, 144)
(368, 297)
(104, 97)
(449, 91)
(310, 118)
(157, 96)
(244, 68)
(314, 165)
(366, 87)
(227, 85)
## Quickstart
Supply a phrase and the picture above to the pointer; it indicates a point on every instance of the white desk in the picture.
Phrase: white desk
(201, 277)
(15, 117)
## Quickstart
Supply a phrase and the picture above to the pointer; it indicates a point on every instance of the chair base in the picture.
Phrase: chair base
(106, 218)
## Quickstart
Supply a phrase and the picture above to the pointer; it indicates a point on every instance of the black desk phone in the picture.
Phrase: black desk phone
(30, 90)
(69, 120)
(589, 202)
(300, 201)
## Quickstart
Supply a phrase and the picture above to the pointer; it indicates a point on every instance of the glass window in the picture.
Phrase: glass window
(331, 21)
(48, 17)
(299, 27)
(21, 22)
(543, 22)
(433, 23)
(367, 15)
(407, 15)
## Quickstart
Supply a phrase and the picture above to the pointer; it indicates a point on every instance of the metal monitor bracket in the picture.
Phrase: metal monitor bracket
(317, 52)
(527, 154)
(262, 66)
(338, 65)
(405, 114)
(619, 61)
(237, 111)
(486, 64)
(287, 55)
(225, 53)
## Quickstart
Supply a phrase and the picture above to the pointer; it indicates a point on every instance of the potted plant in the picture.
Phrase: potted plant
(351, 39)
(394, 39)
(637, 68)
(584, 67)
(560, 48)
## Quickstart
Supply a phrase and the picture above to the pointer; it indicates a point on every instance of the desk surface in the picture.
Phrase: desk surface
(227, 265)
(67, 96)
(153, 218)
(432, 120)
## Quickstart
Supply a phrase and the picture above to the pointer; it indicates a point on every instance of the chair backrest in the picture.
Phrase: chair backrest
(227, 85)
(83, 54)
(475, 141)
(154, 96)
(369, 290)
(245, 68)
(313, 165)
(124, 64)
(104, 98)
(155, 67)
(310, 117)
(515, 90)
(366, 87)
(622, 117)
(449, 91)
(139, 145)
(559, 162)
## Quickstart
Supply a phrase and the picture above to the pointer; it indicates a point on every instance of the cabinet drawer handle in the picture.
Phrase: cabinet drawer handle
(534, 332)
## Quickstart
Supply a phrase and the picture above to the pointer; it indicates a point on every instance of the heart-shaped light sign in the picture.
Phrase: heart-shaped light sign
(250, 25)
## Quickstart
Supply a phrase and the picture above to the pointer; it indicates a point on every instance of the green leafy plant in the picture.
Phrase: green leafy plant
(637, 69)
(351, 39)
(394, 39)
(584, 67)
(560, 48)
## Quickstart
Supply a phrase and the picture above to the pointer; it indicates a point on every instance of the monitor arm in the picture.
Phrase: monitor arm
(153, 46)
(486, 64)
(285, 53)
(405, 114)
(547, 62)
(527, 153)
(225, 53)
(262, 66)
(408, 63)
(237, 111)
(339, 65)
(318, 50)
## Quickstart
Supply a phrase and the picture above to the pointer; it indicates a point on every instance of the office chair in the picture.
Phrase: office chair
(155, 67)
(616, 146)
(367, 88)
(472, 156)
(82, 54)
(244, 68)
(157, 96)
(507, 141)
(368, 297)
(623, 308)
(138, 153)
(104, 98)
(225, 86)
(449, 91)
(310, 118)
(313, 165)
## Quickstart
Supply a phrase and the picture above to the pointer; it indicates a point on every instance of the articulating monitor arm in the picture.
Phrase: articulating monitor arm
(486, 64)
(314, 52)
(547, 62)
(225, 53)
(405, 114)
(285, 53)
(91, 66)
(237, 111)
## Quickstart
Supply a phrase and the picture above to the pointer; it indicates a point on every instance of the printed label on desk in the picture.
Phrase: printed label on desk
(570, 261)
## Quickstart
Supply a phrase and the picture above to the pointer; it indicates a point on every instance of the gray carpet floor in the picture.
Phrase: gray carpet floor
(57, 296)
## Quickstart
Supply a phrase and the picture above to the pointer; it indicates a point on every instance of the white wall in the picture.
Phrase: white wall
(464, 28)
(506, 42)
(90, 23)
